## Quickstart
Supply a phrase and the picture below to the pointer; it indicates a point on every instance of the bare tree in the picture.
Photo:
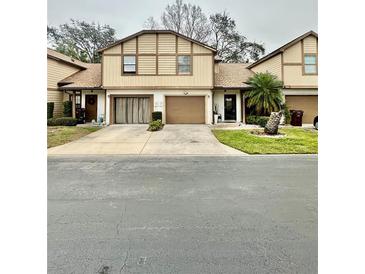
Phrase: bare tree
(196, 24)
(219, 30)
(173, 16)
(186, 19)
(151, 23)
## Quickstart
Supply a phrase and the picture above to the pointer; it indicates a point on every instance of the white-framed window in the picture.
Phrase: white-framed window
(129, 64)
(184, 64)
(310, 64)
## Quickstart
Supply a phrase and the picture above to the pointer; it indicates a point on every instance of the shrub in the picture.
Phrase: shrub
(262, 120)
(67, 109)
(251, 119)
(156, 115)
(155, 125)
(257, 120)
(50, 108)
(64, 121)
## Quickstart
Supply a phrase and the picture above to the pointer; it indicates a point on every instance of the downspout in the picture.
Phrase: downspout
(212, 106)
(105, 106)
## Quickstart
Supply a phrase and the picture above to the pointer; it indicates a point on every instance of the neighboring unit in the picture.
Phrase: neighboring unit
(161, 70)
(296, 64)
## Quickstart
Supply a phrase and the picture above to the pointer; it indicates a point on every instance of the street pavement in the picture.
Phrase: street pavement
(186, 214)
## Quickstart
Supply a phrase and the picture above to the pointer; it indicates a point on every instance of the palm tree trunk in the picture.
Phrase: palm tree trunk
(272, 125)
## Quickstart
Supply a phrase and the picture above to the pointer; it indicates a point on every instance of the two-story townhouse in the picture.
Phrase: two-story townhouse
(296, 64)
(161, 70)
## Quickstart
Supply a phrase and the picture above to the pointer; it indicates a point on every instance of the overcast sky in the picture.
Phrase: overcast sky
(273, 22)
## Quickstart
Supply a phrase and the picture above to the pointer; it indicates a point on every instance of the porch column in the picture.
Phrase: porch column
(243, 108)
(73, 104)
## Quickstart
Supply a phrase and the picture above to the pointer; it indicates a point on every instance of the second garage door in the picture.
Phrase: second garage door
(185, 109)
(307, 103)
(132, 110)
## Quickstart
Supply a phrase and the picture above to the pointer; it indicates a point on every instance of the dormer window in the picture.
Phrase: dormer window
(129, 64)
(310, 64)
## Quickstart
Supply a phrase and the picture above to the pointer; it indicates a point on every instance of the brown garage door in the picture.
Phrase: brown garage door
(132, 110)
(307, 103)
(185, 110)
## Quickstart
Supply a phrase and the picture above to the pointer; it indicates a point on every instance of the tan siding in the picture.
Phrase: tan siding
(56, 71)
(166, 43)
(112, 69)
(147, 64)
(129, 47)
(184, 46)
(113, 50)
(56, 97)
(202, 75)
(293, 77)
(272, 65)
(310, 44)
(293, 54)
(200, 49)
(167, 64)
(147, 43)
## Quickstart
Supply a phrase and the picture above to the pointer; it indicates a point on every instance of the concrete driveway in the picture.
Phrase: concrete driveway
(135, 139)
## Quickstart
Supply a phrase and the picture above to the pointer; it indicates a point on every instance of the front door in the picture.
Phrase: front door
(230, 107)
(91, 102)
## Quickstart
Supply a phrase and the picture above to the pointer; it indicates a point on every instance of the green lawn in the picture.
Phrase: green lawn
(296, 141)
(61, 135)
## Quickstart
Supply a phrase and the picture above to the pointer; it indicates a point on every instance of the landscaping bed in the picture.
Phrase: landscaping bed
(60, 135)
(291, 141)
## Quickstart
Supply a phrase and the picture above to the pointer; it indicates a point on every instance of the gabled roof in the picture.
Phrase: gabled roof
(157, 31)
(231, 75)
(55, 55)
(89, 78)
(281, 49)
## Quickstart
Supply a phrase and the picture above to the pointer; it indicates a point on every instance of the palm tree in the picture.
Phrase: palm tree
(266, 95)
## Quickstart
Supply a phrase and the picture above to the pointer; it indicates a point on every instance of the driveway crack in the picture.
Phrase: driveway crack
(149, 137)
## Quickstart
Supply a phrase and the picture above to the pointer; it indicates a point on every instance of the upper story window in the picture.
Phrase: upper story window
(310, 64)
(129, 64)
(184, 64)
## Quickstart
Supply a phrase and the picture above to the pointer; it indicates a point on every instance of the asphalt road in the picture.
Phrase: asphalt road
(182, 214)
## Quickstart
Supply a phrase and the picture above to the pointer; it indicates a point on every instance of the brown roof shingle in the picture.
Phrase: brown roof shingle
(232, 75)
(90, 78)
